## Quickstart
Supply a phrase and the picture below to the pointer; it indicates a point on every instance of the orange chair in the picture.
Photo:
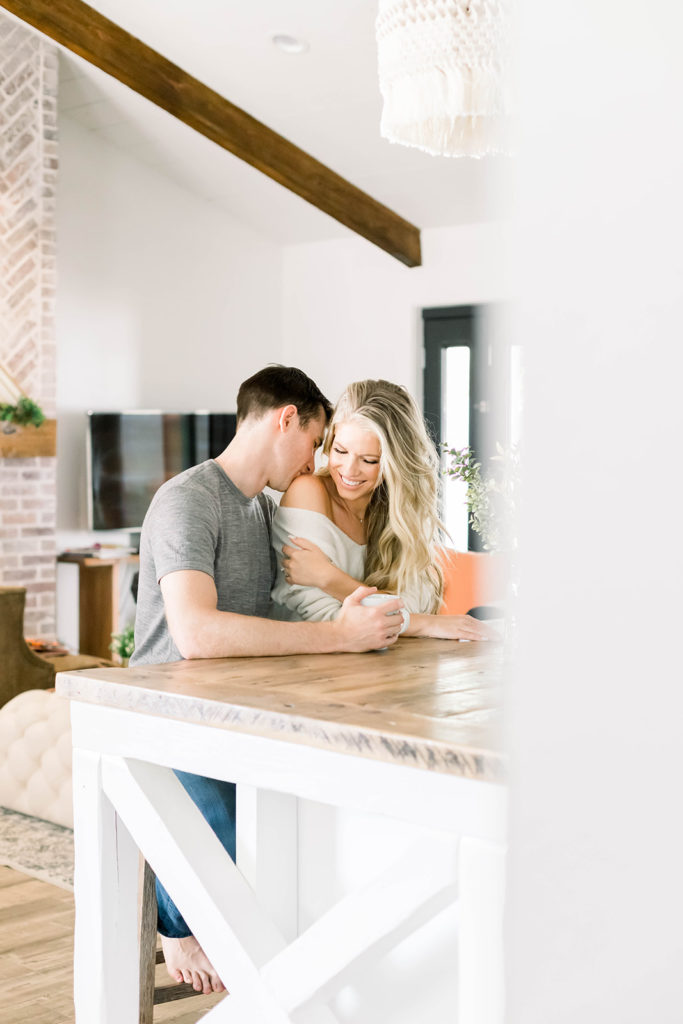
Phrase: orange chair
(472, 579)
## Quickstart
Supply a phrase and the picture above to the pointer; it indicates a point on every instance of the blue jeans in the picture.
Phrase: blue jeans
(216, 801)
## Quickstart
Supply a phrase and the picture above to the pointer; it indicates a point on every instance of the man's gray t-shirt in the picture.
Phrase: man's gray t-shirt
(200, 520)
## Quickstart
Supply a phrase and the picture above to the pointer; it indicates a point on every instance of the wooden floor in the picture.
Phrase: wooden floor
(36, 958)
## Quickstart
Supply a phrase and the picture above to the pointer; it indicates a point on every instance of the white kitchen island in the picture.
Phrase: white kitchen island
(411, 733)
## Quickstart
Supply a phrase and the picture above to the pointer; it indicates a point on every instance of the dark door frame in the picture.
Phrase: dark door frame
(447, 327)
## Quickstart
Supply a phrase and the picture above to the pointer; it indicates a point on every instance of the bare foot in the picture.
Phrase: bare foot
(186, 961)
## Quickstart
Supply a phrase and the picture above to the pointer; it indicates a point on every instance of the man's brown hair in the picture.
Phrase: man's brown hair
(276, 386)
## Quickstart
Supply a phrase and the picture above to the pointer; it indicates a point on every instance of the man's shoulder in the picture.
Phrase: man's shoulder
(308, 492)
(196, 484)
(203, 476)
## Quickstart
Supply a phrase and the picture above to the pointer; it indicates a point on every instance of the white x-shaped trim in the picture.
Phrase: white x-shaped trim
(266, 977)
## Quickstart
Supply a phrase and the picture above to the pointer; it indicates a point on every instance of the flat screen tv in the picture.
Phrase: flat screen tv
(130, 454)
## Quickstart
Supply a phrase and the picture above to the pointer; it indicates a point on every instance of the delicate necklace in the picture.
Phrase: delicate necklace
(351, 512)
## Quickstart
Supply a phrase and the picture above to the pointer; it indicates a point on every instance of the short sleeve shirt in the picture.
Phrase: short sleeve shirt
(200, 520)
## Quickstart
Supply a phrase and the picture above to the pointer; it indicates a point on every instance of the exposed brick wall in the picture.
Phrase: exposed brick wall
(28, 176)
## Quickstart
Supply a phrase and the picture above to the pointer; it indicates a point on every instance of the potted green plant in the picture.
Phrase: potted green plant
(24, 430)
(492, 495)
(492, 500)
(123, 644)
(23, 413)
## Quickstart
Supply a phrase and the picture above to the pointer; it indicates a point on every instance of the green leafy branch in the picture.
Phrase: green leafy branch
(492, 497)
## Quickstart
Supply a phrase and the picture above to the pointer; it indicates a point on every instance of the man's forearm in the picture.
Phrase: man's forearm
(200, 630)
(216, 634)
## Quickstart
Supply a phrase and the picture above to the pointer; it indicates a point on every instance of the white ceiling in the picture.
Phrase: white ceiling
(326, 101)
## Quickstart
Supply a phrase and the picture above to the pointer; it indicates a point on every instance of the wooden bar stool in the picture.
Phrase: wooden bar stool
(151, 996)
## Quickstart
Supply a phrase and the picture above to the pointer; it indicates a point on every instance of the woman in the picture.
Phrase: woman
(370, 515)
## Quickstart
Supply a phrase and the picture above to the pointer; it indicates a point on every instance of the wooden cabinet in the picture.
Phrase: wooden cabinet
(99, 592)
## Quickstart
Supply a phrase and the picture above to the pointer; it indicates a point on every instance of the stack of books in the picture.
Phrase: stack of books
(100, 551)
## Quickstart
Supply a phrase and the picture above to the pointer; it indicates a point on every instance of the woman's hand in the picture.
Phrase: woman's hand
(466, 627)
(453, 627)
(306, 565)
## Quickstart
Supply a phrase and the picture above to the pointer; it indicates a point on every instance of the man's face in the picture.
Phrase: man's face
(297, 450)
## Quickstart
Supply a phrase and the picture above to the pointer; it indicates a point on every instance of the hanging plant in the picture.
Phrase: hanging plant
(23, 414)
(16, 408)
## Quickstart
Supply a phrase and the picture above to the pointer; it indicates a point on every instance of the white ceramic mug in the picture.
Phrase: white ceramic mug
(374, 599)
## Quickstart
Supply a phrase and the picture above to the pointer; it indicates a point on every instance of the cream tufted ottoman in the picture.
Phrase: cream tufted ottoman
(35, 756)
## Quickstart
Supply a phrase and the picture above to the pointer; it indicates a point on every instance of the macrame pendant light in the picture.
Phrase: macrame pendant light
(442, 74)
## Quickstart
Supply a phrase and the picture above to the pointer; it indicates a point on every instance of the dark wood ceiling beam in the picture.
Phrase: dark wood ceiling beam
(101, 42)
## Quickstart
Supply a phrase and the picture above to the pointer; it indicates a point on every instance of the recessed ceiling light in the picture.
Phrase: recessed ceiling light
(289, 44)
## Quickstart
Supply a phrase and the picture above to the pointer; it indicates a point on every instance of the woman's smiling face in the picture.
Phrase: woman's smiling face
(354, 461)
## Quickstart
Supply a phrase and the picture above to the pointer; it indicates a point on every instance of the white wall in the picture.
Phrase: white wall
(351, 311)
(596, 712)
(163, 301)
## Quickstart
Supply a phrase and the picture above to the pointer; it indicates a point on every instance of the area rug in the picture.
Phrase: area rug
(37, 848)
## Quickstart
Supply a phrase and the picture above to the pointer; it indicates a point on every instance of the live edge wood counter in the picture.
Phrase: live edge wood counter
(427, 703)
(410, 733)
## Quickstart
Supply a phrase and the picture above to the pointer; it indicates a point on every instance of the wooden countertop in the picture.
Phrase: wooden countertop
(431, 704)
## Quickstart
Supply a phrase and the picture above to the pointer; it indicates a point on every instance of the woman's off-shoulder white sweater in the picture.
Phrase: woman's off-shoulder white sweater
(311, 602)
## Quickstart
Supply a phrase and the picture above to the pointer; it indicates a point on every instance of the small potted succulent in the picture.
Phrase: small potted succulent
(123, 644)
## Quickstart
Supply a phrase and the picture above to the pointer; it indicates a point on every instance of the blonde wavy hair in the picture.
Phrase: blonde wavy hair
(402, 518)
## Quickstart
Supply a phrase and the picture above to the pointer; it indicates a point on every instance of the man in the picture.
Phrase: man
(206, 572)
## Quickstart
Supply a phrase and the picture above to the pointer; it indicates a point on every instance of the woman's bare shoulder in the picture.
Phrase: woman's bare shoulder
(308, 492)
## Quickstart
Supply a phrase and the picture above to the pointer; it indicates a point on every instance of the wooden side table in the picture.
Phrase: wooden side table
(98, 600)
